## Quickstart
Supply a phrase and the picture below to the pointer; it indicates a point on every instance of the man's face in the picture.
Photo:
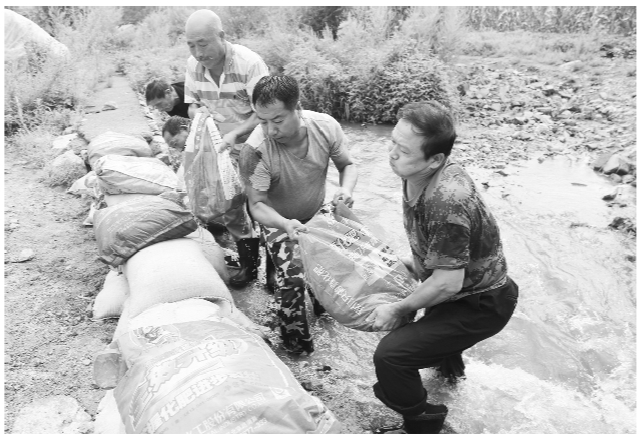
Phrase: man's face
(278, 122)
(178, 141)
(206, 45)
(164, 104)
(406, 157)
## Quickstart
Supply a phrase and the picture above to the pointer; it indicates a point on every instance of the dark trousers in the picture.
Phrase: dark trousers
(439, 337)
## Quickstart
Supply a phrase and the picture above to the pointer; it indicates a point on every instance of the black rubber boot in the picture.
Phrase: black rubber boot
(271, 280)
(248, 249)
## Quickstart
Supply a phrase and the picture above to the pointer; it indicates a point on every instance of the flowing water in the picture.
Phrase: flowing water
(566, 361)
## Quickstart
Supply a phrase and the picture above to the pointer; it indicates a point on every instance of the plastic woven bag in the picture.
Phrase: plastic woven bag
(350, 270)
(212, 181)
(212, 377)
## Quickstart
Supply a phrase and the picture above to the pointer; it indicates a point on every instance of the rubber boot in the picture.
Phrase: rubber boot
(248, 249)
(271, 278)
(431, 421)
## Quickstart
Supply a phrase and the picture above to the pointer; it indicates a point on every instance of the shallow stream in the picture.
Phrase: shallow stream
(566, 362)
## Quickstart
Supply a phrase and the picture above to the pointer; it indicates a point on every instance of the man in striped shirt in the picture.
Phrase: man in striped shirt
(219, 80)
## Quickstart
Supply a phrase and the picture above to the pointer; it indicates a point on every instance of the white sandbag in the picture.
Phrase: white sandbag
(108, 420)
(110, 300)
(213, 252)
(89, 220)
(119, 174)
(124, 322)
(110, 143)
(170, 271)
(115, 199)
(85, 186)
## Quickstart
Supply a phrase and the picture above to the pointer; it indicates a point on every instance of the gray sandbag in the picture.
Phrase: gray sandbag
(111, 143)
(120, 174)
(122, 230)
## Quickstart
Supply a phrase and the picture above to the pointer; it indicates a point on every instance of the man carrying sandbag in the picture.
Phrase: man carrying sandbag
(219, 77)
(456, 254)
(283, 166)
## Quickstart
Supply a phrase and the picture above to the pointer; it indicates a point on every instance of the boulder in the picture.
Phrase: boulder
(61, 144)
(65, 169)
(601, 161)
(58, 414)
(616, 164)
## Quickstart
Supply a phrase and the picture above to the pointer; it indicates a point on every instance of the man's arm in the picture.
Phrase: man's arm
(439, 287)
(347, 181)
(265, 214)
(245, 127)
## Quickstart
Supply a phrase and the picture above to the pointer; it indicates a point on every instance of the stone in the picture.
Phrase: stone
(601, 161)
(66, 167)
(616, 164)
(25, 255)
(573, 66)
(110, 105)
(58, 414)
(627, 179)
(542, 129)
(615, 178)
(61, 143)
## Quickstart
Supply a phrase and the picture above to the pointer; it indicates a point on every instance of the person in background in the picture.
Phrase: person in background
(166, 97)
(284, 164)
(457, 256)
(219, 79)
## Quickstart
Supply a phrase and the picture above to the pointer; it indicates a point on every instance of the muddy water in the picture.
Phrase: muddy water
(566, 361)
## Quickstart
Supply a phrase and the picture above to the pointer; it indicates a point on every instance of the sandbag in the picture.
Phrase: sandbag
(171, 271)
(122, 230)
(118, 174)
(211, 376)
(110, 300)
(119, 144)
(115, 199)
(20, 31)
(107, 419)
(350, 270)
(85, 185)
(213, 252)
(212, 182)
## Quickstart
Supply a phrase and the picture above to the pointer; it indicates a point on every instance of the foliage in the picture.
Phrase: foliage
(320, 17)
(556, 19)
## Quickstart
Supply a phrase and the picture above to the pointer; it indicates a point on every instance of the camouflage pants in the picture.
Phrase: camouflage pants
(290, 294)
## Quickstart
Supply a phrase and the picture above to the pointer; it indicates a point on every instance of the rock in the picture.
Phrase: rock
(573, 66)
(615, 178)
(111, 105)
(627, 179)
(623, 224)
(66, 168)
(56, 414)
(307, 385)
(542, 129)
(616, 164)
(61, 143)
(25, 255)
(601, 161)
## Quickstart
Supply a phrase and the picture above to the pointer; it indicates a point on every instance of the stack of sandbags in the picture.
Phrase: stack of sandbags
(190, 367)
(111, 143)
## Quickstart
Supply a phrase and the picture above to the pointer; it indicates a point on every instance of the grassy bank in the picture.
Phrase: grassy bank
(356, 63)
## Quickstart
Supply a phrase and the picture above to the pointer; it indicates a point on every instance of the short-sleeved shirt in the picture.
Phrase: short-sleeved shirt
(231, 99)
(181, 108)
(450, 228)
(296, 186)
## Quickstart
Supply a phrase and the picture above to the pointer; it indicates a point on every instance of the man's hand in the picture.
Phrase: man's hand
(386, 317)
(228, 141)
(293, 227)
(343, 195)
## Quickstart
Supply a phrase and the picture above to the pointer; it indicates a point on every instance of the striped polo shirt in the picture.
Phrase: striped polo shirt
(230, 102)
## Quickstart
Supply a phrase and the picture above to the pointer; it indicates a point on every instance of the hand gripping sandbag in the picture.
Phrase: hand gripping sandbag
(212, 182)
(350, 270)
(212, 377)
(119, 174)
(122, 230)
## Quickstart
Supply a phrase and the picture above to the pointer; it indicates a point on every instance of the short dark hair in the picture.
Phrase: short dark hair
(174, 124)
(156, 89)
(277, 87)
(434, 122)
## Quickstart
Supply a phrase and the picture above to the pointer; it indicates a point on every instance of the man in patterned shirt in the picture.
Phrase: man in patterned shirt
(284, 165)
(219, 80)
(456, 254)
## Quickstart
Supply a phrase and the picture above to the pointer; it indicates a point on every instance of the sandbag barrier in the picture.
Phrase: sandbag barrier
(183, 358)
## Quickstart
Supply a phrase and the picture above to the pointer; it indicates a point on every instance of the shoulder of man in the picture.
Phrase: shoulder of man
(246, 53)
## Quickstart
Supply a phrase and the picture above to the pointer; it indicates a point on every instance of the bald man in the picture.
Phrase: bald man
(219, 80)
